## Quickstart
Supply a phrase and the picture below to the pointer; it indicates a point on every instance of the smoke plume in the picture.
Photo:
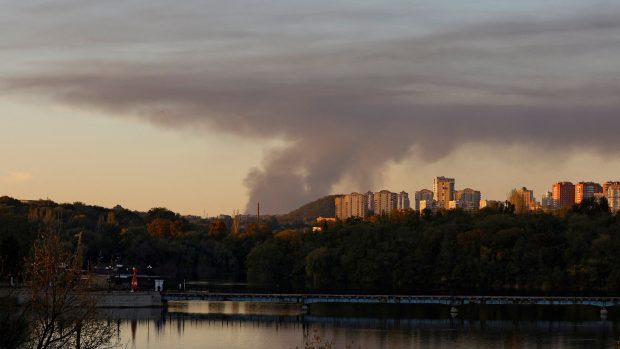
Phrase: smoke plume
(347, 87)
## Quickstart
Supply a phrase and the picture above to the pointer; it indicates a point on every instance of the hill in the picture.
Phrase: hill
(322, 207)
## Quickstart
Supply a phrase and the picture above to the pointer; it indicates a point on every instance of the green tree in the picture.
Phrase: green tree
(270, 263)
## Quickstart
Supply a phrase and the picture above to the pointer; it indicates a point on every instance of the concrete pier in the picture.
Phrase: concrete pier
(128, 299)
(104, 299)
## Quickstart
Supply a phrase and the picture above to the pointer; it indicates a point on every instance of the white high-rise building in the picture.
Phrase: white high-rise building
(351, 205)
(385, 202)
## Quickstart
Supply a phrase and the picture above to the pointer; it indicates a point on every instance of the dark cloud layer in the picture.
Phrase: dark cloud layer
(345, 103)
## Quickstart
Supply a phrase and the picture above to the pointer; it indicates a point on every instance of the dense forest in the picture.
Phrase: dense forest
(574, 251)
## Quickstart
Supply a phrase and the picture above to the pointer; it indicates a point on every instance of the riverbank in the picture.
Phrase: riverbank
(105, 299)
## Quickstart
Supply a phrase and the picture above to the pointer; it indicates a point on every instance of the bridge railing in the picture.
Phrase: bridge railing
(390, 299)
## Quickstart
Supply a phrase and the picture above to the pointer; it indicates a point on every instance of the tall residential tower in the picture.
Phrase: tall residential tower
(443, 189)
(468, 199)
(351, 205)
(385, 202)
(402, 201)
(422, 195)
(586, 190)
(563, 195)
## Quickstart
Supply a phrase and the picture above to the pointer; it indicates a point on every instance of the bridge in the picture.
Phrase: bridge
(307, 299)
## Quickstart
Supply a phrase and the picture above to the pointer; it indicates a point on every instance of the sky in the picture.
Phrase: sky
(206, 107)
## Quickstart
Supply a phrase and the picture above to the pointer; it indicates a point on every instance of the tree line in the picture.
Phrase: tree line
(495, 250)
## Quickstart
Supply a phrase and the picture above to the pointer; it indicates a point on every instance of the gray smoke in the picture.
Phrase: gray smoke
(347, 87)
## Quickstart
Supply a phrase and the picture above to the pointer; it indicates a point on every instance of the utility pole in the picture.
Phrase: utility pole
(258, 213)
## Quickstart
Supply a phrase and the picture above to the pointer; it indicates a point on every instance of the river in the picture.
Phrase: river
(231, 325)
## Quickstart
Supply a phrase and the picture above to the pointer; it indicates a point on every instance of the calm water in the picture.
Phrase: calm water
(229, 325)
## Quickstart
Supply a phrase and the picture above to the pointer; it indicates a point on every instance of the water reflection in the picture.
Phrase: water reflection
(259, 325)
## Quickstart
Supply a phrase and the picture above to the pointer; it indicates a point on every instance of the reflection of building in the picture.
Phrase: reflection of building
(468, 199)
(402, 201)
(443, 188)
(563, 195)
(385, 202)
(351, 205)
(586, 190)
(421, 195)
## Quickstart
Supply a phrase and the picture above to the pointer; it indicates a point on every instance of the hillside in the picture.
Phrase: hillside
(322, 207)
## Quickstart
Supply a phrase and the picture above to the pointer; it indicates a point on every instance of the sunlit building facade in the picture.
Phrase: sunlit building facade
(427, 205)
(547, 201)
(422, 195)
(526, 198)
(468, 199)
(340, 208)
(489, 204)
(454, 204)
(385, 202)
(613, 197)
(586, 190)
(351, 205)
(443, 189)
(563, 195)
(607, 184)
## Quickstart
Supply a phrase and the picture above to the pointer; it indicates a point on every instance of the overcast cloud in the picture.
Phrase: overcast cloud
(347, 86)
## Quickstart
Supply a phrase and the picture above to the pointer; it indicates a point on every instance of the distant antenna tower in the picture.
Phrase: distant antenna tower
(258, 213)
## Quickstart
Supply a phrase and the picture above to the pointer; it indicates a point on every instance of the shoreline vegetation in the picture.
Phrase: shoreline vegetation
(493, 251)
(58, 310)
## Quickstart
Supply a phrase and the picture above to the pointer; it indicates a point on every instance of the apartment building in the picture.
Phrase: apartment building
(443, 189)
(563, 195)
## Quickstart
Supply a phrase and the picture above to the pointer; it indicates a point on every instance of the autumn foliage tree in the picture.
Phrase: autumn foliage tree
(162, 227)
(515, 197)
(62, 313)
(217, 229)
